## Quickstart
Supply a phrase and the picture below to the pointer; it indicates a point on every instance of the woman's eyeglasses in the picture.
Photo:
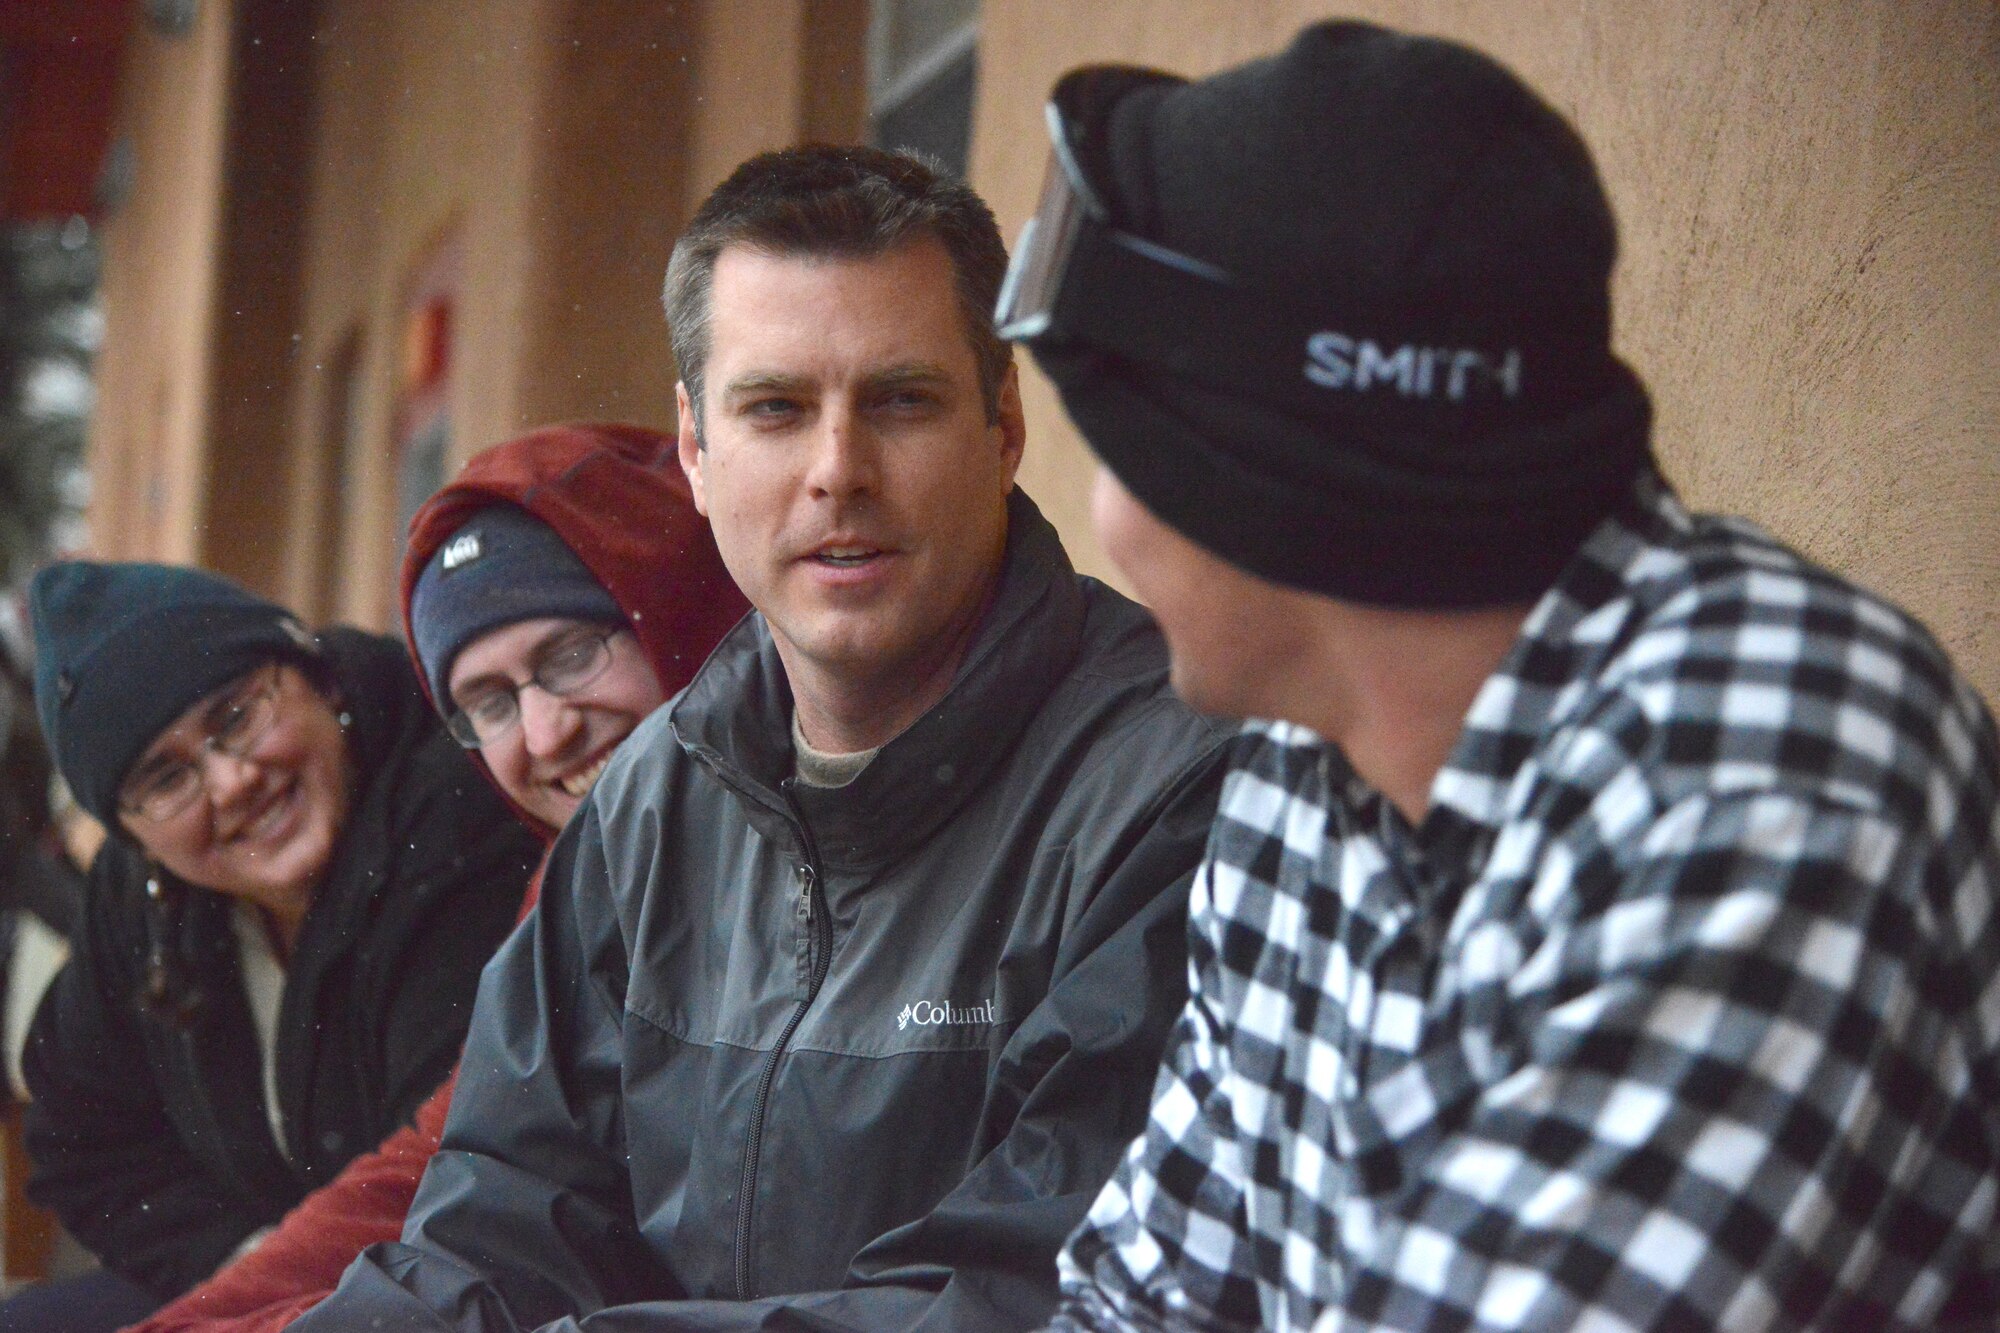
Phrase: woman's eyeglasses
(163, 786)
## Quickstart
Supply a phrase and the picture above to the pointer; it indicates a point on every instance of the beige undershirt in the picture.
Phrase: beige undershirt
(264, 987)
(817, 768)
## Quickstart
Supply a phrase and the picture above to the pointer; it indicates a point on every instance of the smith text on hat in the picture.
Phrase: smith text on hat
(1337, 361)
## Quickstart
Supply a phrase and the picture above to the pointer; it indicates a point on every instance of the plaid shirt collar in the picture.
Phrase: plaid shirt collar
(1563, 644)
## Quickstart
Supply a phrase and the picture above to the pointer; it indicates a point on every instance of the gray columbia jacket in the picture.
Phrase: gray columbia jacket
(775, 1057)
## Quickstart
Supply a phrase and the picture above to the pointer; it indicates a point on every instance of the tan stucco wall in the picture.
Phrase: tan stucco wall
(422, 128)
(1810, 203)
(562, 142)
(147, 450)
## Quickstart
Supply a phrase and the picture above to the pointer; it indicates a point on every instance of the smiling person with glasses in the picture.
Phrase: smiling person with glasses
(277, 796)
(557, 591)
(534, 661)
(280, 939)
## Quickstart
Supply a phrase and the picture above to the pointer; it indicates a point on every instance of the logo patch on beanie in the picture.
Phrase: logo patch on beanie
(460, 550)
(1338, 361)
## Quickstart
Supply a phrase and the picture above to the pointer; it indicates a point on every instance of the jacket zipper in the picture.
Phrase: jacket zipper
(820, 947)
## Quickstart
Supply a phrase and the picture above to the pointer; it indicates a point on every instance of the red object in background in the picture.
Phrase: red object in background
(59, 66)
(423, 391)
(424, 360)
(427, 345)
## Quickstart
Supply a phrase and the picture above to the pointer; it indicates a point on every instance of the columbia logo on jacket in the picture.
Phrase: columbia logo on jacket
(930, 1013)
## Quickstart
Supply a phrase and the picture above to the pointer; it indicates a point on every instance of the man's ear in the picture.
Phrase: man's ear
(690, 446)
(1013, 422)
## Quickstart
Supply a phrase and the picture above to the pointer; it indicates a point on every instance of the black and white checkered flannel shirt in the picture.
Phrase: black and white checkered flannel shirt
(1680, 1009)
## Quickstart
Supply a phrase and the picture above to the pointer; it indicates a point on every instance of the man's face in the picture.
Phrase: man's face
(1236, 640)
(554, 750)
(856, 489)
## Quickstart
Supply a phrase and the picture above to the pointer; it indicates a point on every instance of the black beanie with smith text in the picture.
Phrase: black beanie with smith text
(1460, 424)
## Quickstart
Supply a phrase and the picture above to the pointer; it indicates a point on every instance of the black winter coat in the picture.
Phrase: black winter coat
(773, 1057)
(150, 1141)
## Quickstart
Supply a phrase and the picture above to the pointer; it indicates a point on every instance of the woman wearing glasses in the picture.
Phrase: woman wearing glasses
(555, 593)
(281, 937)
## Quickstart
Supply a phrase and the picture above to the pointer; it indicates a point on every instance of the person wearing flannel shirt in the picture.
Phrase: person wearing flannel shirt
(1605, 937)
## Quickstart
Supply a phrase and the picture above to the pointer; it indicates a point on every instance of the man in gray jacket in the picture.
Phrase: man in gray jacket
(849, 981)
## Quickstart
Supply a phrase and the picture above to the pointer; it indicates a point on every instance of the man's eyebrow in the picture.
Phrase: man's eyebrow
(911, 372)
(889, 377)
(764, 381)
(479, 684)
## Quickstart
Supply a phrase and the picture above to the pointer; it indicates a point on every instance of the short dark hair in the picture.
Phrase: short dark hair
(843, 202)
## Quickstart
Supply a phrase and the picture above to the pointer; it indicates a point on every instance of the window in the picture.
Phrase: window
(423, 396)
(922, 71)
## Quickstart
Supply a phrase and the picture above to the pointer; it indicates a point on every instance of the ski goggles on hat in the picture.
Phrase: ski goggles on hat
(1070, 260)
(1077, 278)
(1074, 214)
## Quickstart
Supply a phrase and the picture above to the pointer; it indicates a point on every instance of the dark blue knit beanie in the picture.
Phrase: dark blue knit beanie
(121, 650)
(502, 566)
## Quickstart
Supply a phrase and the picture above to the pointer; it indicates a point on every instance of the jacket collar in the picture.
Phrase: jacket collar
(736, 717)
